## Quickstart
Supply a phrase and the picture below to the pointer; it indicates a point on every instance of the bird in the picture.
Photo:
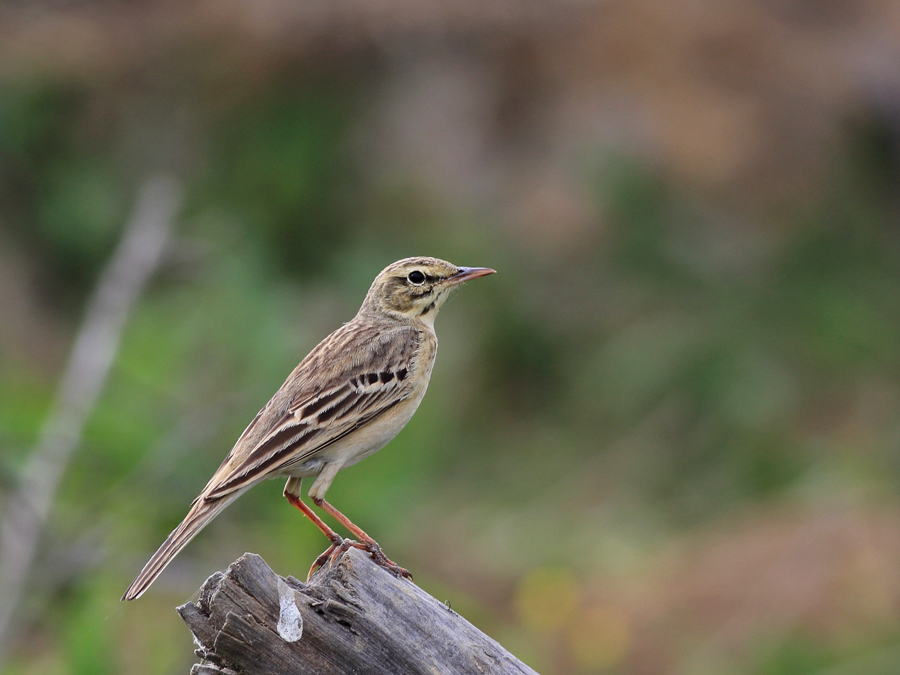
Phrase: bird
(346, 400)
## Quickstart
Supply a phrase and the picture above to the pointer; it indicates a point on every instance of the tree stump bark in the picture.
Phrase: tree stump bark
(352, 617)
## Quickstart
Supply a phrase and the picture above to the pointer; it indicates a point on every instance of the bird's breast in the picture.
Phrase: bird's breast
(370, 438)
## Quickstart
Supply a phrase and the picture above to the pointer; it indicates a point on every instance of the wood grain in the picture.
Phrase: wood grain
(353, 617)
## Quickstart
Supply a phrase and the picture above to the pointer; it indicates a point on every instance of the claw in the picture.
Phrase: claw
(383, 561)
(332, 553)
(339, 545)
(318, 562)
(346, 545)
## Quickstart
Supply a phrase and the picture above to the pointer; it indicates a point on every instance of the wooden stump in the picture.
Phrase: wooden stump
(353, 617)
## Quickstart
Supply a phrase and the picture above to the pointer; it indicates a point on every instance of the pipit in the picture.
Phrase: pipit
(345, 401)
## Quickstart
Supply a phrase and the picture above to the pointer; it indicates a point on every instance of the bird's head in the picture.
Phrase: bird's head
(415, 288)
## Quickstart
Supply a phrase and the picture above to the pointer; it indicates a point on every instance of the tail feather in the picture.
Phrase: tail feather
(201, 513)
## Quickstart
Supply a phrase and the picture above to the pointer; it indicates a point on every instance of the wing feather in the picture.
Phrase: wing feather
(293, 429)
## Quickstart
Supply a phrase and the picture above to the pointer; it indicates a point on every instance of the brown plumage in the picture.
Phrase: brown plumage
(349, 397)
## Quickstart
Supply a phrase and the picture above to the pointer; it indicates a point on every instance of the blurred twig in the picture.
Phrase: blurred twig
(134, 261)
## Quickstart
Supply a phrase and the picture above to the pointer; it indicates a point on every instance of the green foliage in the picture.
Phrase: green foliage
(62, 193)
(278, 163)
(88, 639)
(680, 367)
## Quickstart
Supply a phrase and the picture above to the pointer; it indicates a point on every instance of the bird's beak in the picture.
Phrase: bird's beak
(467, 274)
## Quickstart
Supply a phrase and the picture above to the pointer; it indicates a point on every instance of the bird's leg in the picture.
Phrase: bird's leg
(333, 536)
(368, 544)
(338, 543)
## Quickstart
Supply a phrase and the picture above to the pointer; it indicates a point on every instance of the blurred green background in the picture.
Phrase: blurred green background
(663, 439)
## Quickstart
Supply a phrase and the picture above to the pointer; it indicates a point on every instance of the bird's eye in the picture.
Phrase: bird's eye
(416, 278)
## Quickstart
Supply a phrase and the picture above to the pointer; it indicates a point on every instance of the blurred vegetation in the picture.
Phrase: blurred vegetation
(663, 439)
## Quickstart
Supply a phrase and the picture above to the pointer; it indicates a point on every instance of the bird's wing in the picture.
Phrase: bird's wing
(316, 407)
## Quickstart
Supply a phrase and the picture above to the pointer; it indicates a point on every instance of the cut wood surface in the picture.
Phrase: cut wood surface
(352, 617)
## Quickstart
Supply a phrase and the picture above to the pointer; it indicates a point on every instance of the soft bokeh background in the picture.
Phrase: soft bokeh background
(664, 439)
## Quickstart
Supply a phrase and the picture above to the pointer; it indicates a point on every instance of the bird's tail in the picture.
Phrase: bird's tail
(202, 511)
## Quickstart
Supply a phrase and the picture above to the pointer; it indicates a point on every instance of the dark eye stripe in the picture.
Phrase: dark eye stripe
(429, 278)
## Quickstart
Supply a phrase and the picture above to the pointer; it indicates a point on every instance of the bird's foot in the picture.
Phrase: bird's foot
(332, 553)
(339, 545)
(382, 560)
(368, 544)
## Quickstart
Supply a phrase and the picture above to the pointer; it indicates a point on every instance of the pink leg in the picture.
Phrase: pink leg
(338, 543)
(367, 544)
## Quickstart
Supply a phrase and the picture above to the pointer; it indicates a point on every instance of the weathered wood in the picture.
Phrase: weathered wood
(352, 617)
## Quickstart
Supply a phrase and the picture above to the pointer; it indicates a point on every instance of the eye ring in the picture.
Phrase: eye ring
(416, 278)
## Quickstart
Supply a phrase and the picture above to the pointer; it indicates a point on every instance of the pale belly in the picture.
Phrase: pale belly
(361, 443)
(369, 439)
